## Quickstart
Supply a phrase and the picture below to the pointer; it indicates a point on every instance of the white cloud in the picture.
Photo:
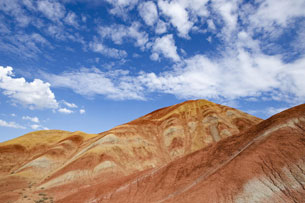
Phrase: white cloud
(271, 110)
(299, 43)
(51, 9)
(28, 4)
(154, 56)
(33, 119)
(272, 17)
(65, 110)
(161, 27)
(70, 105)
(178, 16)
(11, 124)
(241, 69)
(228, 11)
(35, 126)
(14, 8)
(211, 24)
(4, 29)
(58, 31)
(71, 19)
(121, 7)
(166, 46)
(24, 45)
(277, 11)
(117, 33)
(148, 11)
(89, 82)
(197, 8)
(107, 51)
(35, 94)
(234, 76)
(82, 111)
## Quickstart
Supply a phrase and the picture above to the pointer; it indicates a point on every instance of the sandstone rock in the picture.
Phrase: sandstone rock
(78, 167)
(264, 164)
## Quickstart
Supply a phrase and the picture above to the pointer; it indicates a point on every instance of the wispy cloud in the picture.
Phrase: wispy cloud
(99, 47)
(121, 7)
(65, 110)
(11, 124)
(33, 119)
(118, 33)
(70, 105)
(116, 85)
(51, 9)
(37, 127)
(198, 77)
(28, 14)
(71, 19)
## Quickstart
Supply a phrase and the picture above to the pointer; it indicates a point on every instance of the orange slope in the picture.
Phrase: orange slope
(62, 164)
(264, 164)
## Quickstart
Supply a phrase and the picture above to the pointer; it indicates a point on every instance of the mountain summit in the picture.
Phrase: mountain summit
(196, 151)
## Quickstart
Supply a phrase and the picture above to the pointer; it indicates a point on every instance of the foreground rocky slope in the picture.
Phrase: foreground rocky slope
(77, 167)
(264, 164)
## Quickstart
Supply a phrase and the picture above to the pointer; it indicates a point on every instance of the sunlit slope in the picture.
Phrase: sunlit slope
(61, 161)
(264, 164)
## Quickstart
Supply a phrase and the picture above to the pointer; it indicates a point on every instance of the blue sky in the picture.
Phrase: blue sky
(91, 65)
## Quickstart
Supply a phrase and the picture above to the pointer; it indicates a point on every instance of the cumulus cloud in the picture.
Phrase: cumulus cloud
(148, 11)
(178, 16)
(239, 69)
(82, 111)
(35, 95)
(211, 24)
(33, 119)
(232, 77)
(161, 27)
(165, 46)
(65, 111)
(11, 124)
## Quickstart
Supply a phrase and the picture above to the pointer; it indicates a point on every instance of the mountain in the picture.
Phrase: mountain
(63, 166)
(264, 164)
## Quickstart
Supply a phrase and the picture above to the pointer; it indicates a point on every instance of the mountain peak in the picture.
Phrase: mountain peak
(56, 159)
